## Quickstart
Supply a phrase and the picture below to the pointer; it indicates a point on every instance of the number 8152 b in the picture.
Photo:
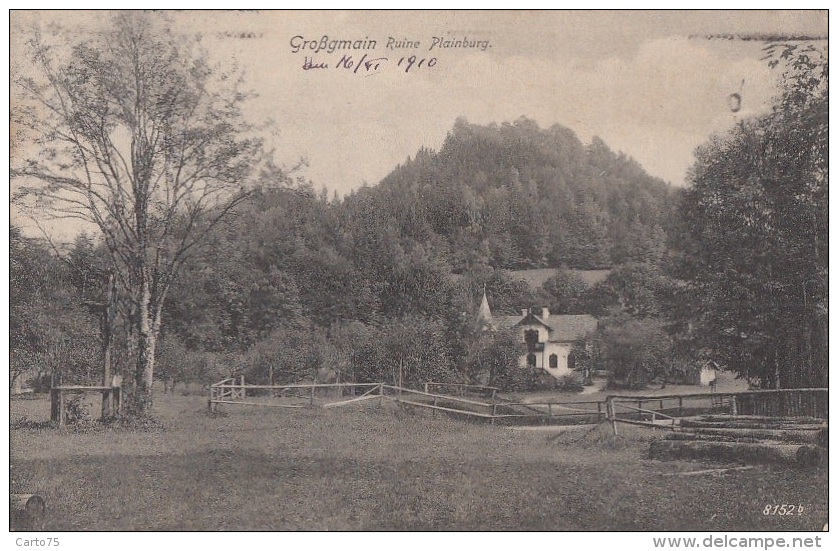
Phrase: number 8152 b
(783, 510)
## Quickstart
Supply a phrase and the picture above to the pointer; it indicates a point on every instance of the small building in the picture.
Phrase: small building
(707, 373)
(549, 337)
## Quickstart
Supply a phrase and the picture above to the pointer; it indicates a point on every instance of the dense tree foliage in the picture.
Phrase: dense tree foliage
(50, 332)
(755, 221)
(384, 284)
(633, 351)
(138, 134)
(515, 196)
(564, 291)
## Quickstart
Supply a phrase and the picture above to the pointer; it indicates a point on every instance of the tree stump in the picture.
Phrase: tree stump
(27, 512)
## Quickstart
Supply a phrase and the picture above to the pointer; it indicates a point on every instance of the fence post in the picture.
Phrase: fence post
(550, 410)
(494, 412)
(311, 399)
(426, 388)
(62, 412)
(612, 413)
(53, 407)
(433, 411)
(599, 412)
(680, 406)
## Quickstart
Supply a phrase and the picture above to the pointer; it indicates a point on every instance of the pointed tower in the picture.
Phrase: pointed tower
(484, 315)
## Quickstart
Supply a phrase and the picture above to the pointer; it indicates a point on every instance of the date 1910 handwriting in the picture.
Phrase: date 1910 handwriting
(367, 65)
(783, 510)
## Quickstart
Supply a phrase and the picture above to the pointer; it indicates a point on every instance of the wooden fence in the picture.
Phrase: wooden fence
(438, 402)
(457, 389)
(792, 402)
(229, 391)
(232, 392)
(655, 411)
(565, 413)
(59, 400)
(663, 411)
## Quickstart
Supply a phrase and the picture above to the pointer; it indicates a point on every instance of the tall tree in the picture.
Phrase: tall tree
(141, 136)
(757, 222)
(633, 351)
(50, 333)
(563, 291)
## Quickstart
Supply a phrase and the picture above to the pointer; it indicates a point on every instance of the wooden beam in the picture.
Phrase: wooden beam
(258, 404)
(712, 471)
(441, 408)
(351, 401)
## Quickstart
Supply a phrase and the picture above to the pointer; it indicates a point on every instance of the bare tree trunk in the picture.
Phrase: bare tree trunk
(147, 343)
(145, 360)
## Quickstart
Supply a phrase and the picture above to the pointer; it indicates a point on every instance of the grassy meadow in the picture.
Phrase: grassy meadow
(379, 467)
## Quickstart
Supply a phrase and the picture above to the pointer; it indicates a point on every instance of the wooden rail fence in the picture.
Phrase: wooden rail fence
(229, 391)
(803, 402)
(59, 399)
(653, 411)
(235, 392)
(463, 389)
(792, 402)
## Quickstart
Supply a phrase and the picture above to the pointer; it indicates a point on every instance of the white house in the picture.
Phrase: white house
(549, 338)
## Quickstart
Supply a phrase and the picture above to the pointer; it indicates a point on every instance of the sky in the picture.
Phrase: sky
(650, 84)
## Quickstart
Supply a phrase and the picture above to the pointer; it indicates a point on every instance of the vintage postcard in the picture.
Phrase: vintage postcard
(420, 271)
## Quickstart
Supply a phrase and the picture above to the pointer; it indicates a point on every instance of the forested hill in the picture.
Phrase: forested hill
(517, 196)
(504, 196)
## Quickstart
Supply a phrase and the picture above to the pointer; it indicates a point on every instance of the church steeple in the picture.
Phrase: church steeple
(484, 315)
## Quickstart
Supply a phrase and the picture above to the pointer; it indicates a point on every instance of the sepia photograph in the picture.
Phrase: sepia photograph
(419, 271)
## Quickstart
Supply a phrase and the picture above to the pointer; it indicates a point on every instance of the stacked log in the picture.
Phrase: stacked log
(747, 439)
(802, 455)
(733, 422)
(817, 437)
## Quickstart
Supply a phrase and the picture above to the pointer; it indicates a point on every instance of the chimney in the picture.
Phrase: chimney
(545, 313)
(524, 312)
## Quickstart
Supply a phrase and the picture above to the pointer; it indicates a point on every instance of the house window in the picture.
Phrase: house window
(531, 338)
(571, 361)
(531, 360)
(554, 361)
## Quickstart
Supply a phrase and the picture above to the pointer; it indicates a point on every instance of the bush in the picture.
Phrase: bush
(135, 405)
(633, 351)
(493, 357)
(571, 383)
(77, 411)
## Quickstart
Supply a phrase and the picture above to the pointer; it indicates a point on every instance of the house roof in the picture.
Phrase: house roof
(507, 322)
(568, 328)
(484, 315)
(562, 328)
